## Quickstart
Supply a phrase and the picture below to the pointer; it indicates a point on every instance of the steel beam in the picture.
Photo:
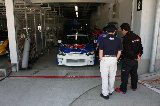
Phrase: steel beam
(72, 1)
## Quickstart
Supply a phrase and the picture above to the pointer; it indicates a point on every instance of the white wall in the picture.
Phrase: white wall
(100, 17)
(103, 15)
(136, 18)
(125, 16)
(143, 25)
(155, 56)
(157, 61)
(147, 26)
(125, 12)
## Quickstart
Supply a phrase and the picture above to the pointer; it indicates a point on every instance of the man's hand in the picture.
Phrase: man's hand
(138, 57)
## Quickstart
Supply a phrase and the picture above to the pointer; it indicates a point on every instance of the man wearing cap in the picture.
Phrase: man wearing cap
(109, 52)
(132, 51)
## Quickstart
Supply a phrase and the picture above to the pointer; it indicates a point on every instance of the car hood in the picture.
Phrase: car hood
(77, 48)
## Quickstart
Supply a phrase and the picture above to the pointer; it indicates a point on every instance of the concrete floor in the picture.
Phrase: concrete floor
(69, 92)
(27, 88)
(46, 65)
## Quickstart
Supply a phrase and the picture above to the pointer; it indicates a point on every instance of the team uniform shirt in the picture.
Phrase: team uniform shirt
(110, 45)
(132, 46)
(100, 37)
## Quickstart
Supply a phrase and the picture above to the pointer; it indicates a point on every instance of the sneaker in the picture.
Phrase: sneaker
(110, 93)
(105, 97)
(134, 89)
(119, 91)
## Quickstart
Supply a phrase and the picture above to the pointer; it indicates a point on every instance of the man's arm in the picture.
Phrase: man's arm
(140, 51)
(101, 48)
(100, 54)
(119, 49)
(140, 48)
(118, 54)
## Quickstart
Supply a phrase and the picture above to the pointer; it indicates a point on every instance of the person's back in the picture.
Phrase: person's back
(135, 46)
(100, 37)
(111, 44)
(109, 52)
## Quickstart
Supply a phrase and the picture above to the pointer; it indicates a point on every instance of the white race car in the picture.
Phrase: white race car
(76, 50)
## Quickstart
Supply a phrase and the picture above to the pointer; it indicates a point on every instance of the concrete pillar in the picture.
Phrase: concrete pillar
(155, 40)
(11, 32)
(143, 24)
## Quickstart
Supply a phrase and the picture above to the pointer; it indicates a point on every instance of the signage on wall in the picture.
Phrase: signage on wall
(139, 5)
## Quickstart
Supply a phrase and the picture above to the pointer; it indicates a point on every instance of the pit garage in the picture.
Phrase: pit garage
(37, 30)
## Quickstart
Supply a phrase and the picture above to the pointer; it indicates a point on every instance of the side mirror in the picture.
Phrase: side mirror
(59, 41)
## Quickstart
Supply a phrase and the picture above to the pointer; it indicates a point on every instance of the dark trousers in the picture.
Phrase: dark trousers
(129, 67)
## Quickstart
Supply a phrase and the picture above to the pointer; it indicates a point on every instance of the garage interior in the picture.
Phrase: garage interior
(72, 86)
(45, 22)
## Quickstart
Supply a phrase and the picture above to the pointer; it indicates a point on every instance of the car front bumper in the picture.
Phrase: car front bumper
(75, 59)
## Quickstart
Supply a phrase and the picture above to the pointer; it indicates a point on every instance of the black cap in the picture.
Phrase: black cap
(111, 28)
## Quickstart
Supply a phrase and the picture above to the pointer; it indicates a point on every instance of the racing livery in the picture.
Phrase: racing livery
(4, 43)
(76, 50)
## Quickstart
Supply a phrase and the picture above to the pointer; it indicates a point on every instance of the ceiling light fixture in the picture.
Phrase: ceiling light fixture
(76, 8)
(77, 14)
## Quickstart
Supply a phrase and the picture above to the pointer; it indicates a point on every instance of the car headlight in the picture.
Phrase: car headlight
(1, 42)
(90, 53)
(61, 53)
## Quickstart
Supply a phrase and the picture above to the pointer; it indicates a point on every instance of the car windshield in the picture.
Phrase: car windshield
(76, 40)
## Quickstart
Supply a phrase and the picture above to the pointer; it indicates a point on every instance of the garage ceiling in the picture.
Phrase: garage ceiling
(63, 8)
(67, 10)
(54, 8)
(66, 7)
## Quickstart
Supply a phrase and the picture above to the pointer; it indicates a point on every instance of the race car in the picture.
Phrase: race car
(76, 50)
(4, 43)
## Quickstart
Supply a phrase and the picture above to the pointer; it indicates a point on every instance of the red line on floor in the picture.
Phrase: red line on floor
(57, 76)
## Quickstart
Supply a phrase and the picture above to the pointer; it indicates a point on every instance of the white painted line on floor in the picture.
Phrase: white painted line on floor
(149, 86)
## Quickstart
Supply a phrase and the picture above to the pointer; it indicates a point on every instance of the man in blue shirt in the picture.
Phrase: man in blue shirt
(101, 36)
(109, 52)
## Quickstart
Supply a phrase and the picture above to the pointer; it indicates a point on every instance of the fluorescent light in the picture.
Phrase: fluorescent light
(77, 14)
(76, 8)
